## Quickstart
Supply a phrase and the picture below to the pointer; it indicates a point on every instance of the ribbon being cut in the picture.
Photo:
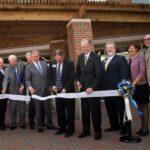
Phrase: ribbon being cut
(125, 89)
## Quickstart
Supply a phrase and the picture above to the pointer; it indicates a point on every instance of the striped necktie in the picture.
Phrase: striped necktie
(39, 68)
(58, 77)
(85, 60)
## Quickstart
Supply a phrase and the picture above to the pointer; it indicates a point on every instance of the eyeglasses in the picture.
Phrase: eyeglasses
(148, 39)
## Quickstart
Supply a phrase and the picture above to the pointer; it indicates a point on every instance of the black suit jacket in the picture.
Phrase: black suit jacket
(117, 70)
(89, 75)
(67, 77)
(1, 81)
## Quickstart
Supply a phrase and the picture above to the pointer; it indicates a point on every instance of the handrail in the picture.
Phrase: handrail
(38, 2)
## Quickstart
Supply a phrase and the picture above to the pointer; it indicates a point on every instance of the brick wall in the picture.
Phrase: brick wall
(77, 29)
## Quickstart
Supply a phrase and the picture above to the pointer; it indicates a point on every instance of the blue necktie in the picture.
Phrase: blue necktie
(58, 77)
(39, 68)
(15, 73)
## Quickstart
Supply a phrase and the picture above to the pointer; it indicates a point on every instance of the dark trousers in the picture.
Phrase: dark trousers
(66, 113)
(93, 106)
(39, 106)
(115, 109)
(3, 107)
(31, 113)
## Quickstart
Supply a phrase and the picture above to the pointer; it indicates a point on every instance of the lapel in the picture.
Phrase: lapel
(35, 68)
(1, 74)
(54, 67)
(111, 62)
(89, 59)
(63, 69)
(43, 68)
(18, 69)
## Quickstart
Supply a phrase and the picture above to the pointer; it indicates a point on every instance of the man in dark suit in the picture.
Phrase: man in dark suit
(14, 83)
(3, 103)
(115, 69)
(62, 76)
(88, 79)
(36, 76)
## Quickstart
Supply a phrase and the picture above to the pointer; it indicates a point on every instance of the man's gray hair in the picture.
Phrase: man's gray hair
(86, 41)
(12, 57)
(35, 51)
(28, 54)
(111, 42)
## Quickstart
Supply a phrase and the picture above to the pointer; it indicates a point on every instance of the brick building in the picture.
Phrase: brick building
(50, 24)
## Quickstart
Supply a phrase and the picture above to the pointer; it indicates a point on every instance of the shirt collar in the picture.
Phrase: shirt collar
(88, 54)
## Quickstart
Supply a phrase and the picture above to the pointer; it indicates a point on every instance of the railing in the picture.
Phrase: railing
(49, 1)
(42, 1)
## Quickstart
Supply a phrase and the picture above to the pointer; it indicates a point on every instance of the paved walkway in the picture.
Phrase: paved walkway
(20, 139)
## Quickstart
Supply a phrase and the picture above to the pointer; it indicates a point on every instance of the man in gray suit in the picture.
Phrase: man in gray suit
(36, 76)
(14, 81)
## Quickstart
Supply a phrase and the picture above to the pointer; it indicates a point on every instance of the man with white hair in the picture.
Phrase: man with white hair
(88, 79)
(14, 82)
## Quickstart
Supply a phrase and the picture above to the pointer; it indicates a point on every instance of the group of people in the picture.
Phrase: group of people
(59, 76)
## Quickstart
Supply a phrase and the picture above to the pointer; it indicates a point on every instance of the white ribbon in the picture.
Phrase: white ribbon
(127, 110)
(108, 93)
(15, 97)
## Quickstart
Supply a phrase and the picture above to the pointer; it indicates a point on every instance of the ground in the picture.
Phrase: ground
(20, 139)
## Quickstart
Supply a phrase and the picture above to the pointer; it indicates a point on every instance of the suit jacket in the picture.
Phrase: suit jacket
(67, 77)
(89, 75)
(1, 80)
(147, 58)
(36, 80)
(117, 70)
(10, 80)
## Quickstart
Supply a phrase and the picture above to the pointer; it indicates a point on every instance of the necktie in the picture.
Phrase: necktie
(15, 73)
(58, 77)
(85, 60)
(107, 62)
(39, 68)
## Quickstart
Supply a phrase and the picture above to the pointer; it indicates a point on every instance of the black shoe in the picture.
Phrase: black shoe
(84, 134)
(98, 136)
(52, 127)
(111, 129)
(68, 134)
(2, 128)
(123, 132)
(44, 125)
(139, 131)
(144, 133)
(32, 127)
(60, 131)
(22, 126)
(13, 128)
(40, 130)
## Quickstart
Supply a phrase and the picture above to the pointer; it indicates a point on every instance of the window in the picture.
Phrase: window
(141, 1)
